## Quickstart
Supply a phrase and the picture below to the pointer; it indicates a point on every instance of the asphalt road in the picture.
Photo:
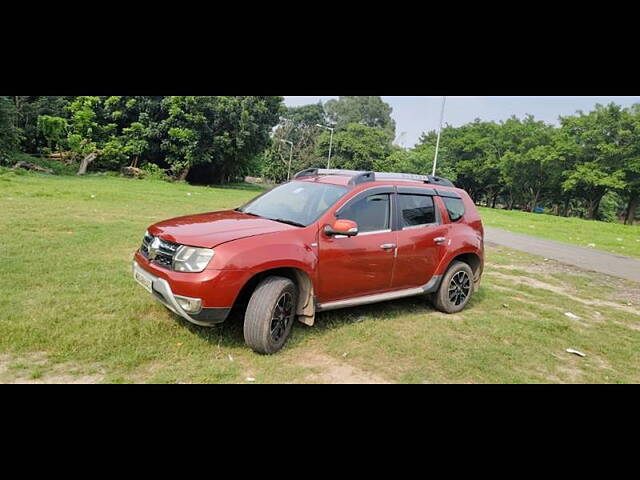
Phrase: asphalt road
(586, 258)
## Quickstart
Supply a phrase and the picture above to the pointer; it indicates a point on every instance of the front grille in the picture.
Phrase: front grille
(164, 250)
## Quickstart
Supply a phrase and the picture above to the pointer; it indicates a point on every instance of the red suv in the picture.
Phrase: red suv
(328, 239)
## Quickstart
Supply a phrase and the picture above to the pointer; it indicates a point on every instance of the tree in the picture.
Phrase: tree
(53, 129)
(85, 132)
(602, 145)
(215, 138)
(27, 111)
(125, 111)
(299, 126)
(370, 111)
(470, 154)
(529, 160)
(357, 147)
(632, 164)
(9, 134)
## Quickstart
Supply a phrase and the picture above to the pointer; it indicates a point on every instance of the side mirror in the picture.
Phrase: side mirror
(348, 228)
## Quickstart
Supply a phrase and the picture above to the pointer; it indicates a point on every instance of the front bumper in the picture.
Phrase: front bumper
(162, 292)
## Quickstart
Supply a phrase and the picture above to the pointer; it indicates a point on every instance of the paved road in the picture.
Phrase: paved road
(587, 258)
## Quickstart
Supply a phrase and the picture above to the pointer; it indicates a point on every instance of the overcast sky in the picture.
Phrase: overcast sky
(415, 115)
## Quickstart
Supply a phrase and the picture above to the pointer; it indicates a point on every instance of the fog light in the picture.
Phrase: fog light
(189, 305)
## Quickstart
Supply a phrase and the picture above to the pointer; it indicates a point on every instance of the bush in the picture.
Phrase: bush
(151, 171)
(610, 206)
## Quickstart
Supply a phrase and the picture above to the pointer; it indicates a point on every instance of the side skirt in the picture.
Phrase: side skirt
(430, 287)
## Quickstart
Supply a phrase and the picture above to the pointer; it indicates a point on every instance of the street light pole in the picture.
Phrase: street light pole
(330, 142)
(435, 159)
(290, 157)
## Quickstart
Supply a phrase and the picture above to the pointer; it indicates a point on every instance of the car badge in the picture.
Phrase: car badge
(153, 248)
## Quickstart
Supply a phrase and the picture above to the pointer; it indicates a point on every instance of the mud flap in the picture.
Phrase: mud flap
(306, 311)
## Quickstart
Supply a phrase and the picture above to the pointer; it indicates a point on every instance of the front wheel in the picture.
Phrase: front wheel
(270, 315)
(455, 289)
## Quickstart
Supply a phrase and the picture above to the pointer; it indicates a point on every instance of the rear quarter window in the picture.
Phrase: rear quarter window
(416, 210)
(455, 208)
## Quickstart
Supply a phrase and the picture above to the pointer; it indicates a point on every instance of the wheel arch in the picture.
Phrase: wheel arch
(302, 280)
(473, 260)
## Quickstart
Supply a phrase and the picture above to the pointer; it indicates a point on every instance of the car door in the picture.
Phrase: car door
(363, 264)
(422, 237)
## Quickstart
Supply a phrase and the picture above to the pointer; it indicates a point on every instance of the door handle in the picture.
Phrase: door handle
(439, 239)
(387, 246)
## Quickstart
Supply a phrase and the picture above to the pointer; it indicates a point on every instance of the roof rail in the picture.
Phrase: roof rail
(309, 172)
(358, 176)
(412, 176)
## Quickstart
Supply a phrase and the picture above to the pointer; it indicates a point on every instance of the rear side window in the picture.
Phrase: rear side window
(416, 210)
(455, 207)
(370, 213)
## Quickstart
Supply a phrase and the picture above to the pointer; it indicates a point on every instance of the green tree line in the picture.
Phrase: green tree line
(208, 139)
(588, 165)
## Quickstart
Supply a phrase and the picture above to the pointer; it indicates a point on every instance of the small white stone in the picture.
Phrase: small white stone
(250, 379)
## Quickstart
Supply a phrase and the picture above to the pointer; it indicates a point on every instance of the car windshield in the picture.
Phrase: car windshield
(295, 203)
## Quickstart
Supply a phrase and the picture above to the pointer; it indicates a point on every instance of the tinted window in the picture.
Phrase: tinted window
(455, 207)
(299, 202)
(416, 210)
(370, 213)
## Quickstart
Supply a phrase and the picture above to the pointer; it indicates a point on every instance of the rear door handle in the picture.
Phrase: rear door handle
(439, 239)
(387, 246)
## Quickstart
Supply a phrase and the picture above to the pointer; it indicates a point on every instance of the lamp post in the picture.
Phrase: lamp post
(330, 142)
(435, 159)
(290, 157)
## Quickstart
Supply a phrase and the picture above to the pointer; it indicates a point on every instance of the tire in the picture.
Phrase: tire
(270, 315)
(456, 288)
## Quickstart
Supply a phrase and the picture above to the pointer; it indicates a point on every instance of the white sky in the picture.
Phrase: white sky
(415, 115)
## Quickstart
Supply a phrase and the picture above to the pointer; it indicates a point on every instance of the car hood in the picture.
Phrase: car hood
(211, 229)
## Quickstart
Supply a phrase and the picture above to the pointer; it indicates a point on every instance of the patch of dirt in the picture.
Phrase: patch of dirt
(327, 369)
(532, 282)
(571, 367)
(145, 371)
(624, 290)
(36, 368)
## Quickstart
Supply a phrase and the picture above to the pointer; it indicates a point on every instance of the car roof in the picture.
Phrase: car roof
(345, 180)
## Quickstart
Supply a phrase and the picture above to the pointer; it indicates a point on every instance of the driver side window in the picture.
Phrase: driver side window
(371, 213)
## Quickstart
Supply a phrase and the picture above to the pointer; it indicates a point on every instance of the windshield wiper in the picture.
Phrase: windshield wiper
(289, 222)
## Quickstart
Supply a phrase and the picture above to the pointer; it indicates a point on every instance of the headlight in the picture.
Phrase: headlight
(191, 259)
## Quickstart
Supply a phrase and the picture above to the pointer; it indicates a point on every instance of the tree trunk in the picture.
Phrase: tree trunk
(86, 161)
(493, 203)
(535, 200)
(631, 209)
(594, 206)
(183, 174)
(565, 211)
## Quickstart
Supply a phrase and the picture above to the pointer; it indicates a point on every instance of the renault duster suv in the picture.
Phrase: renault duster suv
(328, 239)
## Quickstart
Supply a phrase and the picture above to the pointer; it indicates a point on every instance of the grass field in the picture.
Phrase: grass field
(70, 311)
(611, 237)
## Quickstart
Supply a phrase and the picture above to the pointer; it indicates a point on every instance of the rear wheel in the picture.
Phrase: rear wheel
(270, 314)
(455, 289)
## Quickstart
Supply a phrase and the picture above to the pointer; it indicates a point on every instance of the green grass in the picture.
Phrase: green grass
(68, 304)
(610, 237)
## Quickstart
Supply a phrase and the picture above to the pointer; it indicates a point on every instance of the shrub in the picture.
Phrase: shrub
(151, 171)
